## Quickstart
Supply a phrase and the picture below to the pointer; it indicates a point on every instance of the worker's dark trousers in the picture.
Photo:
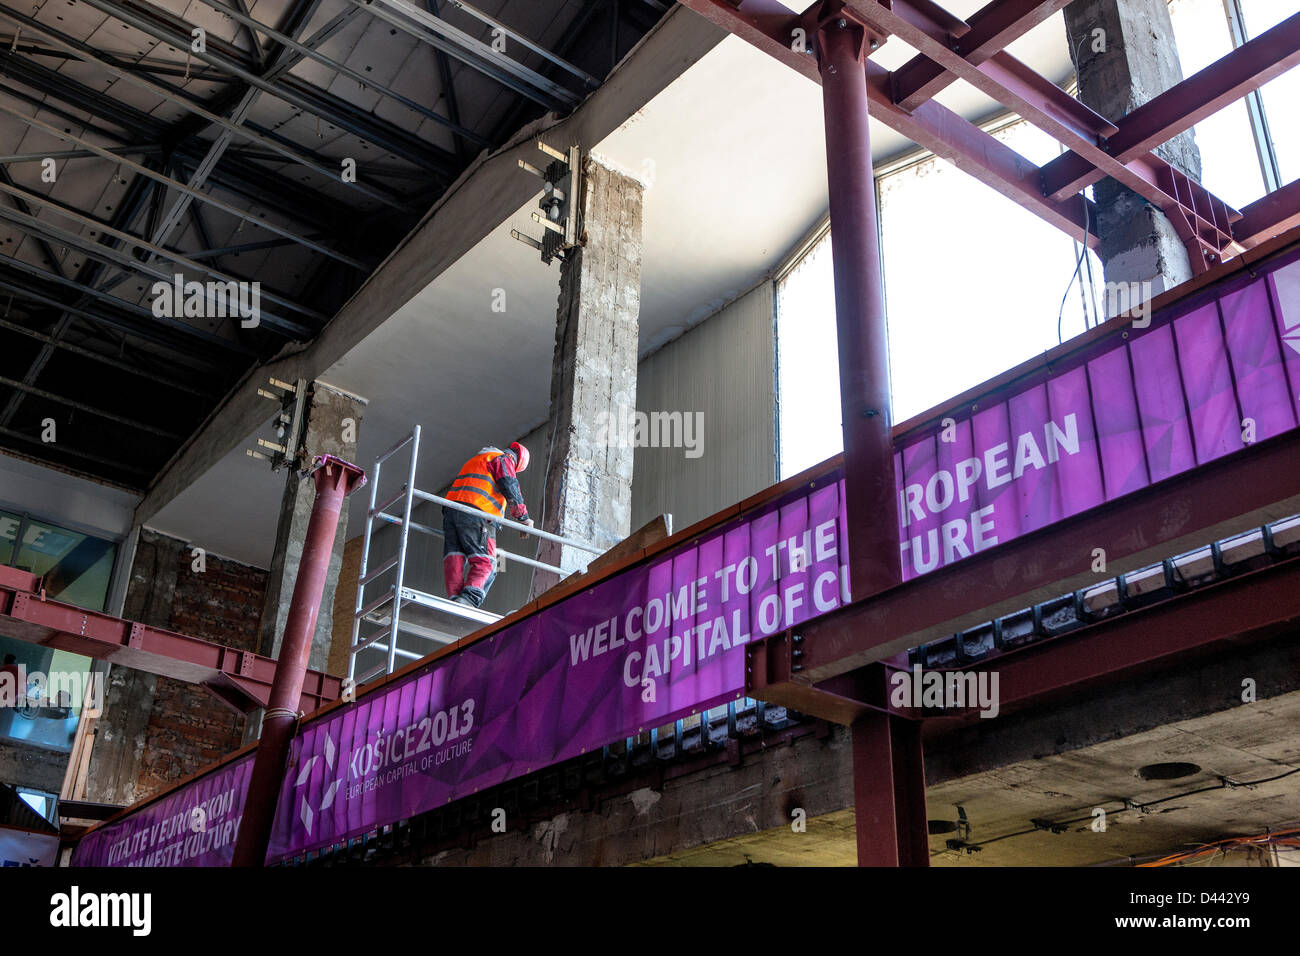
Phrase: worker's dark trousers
(469, 555)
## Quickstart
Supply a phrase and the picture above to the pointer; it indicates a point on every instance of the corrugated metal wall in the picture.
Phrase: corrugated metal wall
(722, 369)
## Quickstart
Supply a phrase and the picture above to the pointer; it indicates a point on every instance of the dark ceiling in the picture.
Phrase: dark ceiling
(228, 164)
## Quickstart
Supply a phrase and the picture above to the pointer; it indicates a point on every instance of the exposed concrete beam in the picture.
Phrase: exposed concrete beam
(484, 196)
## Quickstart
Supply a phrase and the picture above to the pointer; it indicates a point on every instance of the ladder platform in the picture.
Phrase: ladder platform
(434, 618)
(400, 612)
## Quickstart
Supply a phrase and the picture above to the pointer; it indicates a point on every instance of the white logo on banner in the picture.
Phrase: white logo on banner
(1292, 336)
(305, 812)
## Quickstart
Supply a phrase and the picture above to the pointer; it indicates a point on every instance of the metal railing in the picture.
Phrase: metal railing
(385, 609)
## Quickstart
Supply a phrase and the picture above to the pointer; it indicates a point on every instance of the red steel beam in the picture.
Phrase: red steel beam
(1242, 490)
(767, 24)
(1044, 104)
(239, 678)
(991, 29)
(1181, 107)
(978, 154)
(1270, 216)
(1254, 605)
(1203, 221)
(1251, 606)
(999, 74)
(931, 126)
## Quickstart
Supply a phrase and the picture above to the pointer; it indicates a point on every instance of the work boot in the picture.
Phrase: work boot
(472, 596)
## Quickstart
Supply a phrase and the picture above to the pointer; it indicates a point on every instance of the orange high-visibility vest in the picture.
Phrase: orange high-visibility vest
(474, 485)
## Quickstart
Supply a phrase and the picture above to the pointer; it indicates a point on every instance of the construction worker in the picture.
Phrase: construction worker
(487, 482)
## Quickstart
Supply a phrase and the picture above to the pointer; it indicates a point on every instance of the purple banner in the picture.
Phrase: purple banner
(657, 642)
(194, 825)
(1213, 375)
(665, 639)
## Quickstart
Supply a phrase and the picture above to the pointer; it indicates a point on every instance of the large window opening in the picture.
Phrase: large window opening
(967, 296)
(974, 283)
(1252, 146)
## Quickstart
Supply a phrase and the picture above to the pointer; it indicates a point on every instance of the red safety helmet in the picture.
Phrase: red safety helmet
(521, 456)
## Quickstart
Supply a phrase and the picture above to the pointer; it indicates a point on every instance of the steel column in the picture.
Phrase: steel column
(859, 310)
(335, 480)
(889, 792)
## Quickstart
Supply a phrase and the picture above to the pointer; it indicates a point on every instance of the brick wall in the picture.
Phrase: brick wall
(188, 727)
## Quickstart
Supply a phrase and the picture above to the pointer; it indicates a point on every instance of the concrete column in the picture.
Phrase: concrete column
(1132, 60)
(333, 421)
(593, 375)
(118, 747)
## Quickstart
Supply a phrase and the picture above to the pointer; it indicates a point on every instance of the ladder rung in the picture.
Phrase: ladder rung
(370, 640)
(400, 652)
(376, 603)
(373, 672)
(378, 571)
(384, 507)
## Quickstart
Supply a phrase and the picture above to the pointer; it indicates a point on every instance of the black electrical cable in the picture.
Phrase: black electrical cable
(1087, 228)
(1083, 253)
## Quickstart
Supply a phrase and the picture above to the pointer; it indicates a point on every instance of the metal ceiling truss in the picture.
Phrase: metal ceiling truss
(343, 69)
(294, 154)
(445, 77)
(253, 219)
(513, 119)
(974, 51)
(147, 327)
(90, 271)
(14, 159)
(130, 368)
(236, 176)
(73, 240)
(125, 317)
(160, 68)
(510, 73)
(168, 28)
(212, 149)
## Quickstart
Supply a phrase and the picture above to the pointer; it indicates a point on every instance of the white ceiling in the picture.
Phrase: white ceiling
(734, 160)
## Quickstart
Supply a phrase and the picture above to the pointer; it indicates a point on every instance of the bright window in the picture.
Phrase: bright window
(1252, 146)
(1282, 94)
(974, 284)
(808, 376)
(1230, 165)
